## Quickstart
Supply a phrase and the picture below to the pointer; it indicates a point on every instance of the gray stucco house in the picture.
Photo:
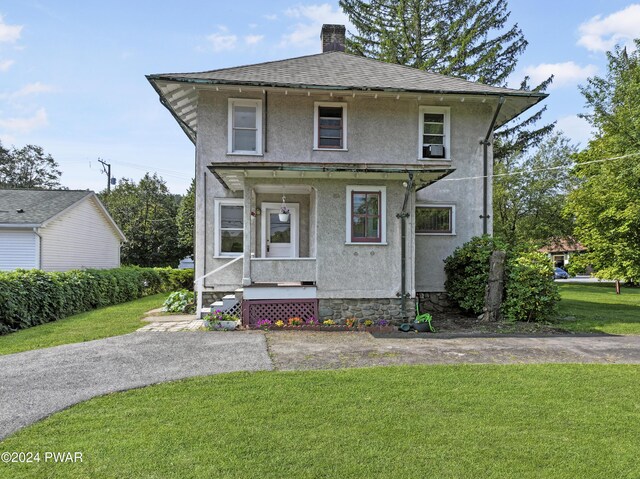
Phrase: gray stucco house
(56, 230)
(382, 167)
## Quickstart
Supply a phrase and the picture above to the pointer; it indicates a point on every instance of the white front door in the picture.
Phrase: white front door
(280, 238)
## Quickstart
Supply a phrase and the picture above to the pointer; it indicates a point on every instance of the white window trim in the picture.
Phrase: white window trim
(447, 131)
(383, 214)
(318, 104)
(244, 102)
(218, 203)
(435, 205)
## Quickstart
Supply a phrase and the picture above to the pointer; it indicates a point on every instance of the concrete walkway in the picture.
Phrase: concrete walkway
(326, 350)
(35, 384)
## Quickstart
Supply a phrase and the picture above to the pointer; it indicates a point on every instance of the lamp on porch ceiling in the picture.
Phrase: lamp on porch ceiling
(284, 211)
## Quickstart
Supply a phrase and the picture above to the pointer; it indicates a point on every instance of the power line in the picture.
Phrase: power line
(521, 172)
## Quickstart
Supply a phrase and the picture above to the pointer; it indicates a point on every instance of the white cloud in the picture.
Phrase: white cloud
(25, 125)
(253, 39)
(5, 65)
(600, 34)
(222, 40)
(9, 33)
(306, 33)
(32, 89)
(271, 17)
(576, 128)
(567, 73)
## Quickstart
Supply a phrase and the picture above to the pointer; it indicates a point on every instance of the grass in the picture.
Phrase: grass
(100, 323)
(597, 308)
(533, 421)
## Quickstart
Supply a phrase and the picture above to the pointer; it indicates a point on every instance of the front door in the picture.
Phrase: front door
(280, 237)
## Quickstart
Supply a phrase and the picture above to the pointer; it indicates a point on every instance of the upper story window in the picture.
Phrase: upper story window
(434, 132)
(229, 226)
(245, 127)
(436, 220)
(330, 126)
(366, 214)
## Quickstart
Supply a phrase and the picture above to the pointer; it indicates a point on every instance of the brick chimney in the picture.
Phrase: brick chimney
(333, 38)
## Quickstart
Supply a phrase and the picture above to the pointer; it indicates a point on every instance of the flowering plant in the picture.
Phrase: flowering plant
(284, 210)
(295, 321)
(351, 322)
(382, 322)
(312, 321)
(219, 315)
(328, 322)
(368, 322)
(263, 323)
(279, 323)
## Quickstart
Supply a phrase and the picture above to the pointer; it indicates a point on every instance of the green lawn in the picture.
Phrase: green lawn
(100, 323)
(524, 421)
(597, 308)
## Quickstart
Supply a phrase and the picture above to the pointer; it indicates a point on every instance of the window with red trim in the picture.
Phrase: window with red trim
(366, 217)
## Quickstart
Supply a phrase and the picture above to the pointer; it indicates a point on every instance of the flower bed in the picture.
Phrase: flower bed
(298, 324)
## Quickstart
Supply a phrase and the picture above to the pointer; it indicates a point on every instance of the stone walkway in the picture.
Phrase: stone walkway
(159, 322)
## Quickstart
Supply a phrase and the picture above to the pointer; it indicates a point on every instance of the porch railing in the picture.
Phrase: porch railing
(199, 282)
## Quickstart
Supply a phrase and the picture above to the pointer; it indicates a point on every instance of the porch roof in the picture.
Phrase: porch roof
(232, 175)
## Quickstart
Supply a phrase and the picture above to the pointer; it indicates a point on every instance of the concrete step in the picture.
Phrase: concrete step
(229, 301)
(238, 293)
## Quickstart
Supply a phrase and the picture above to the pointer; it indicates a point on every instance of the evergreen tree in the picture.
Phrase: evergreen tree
(469, 39)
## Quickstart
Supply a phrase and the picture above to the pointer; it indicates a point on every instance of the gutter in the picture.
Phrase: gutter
(402, 216)
(485, 168)
(35, 232)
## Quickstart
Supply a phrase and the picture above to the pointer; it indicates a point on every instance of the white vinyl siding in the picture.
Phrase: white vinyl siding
(18, 249)
(80, 238)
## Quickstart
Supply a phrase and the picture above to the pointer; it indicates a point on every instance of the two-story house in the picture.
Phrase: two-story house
(381, 169)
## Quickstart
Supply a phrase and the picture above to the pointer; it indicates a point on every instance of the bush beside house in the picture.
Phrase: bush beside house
(530, 292)
(29, 298)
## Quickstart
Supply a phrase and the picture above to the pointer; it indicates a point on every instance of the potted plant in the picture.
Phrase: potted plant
(220, 321)
(422, 323)
(284, 214)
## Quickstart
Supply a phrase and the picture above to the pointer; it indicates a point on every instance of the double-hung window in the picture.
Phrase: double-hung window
(434, 132)
(366, 214)
(435, 220)
(229, 232)
(330, 126)
(245, 127)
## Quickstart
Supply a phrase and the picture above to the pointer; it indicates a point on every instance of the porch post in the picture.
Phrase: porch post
(248, 226)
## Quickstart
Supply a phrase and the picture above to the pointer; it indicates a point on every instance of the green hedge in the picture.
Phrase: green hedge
(29, 298)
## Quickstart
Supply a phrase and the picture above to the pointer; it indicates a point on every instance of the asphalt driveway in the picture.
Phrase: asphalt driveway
(35, 384)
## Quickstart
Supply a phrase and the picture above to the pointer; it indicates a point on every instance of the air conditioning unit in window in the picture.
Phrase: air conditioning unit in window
(433, 151)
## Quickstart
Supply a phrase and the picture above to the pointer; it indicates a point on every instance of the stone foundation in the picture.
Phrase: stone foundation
(435, 303)
(209, 297)
(374, 309)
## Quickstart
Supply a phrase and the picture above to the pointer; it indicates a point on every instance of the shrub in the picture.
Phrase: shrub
(29, 298)
(530, 292)
(182, 301)
(467, 271)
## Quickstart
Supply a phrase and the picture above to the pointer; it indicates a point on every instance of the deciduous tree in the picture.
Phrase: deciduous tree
(28, 167)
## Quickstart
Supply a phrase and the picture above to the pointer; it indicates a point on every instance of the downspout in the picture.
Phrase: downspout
(403, 215)
(35, 232)
(485, 171)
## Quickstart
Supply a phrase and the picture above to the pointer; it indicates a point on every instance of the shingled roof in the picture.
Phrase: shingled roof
(34, 207)
(334, 71)
(338, 70)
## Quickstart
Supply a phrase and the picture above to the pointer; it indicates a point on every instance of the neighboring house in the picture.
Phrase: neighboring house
(358, 151)
(56, 230)
(560, 250)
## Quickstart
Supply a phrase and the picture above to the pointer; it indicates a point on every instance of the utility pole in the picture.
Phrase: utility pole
(106, 169)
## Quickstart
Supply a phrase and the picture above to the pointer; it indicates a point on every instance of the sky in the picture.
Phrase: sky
(72, 74)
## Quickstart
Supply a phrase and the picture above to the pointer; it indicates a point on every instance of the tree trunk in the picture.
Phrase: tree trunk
(495, 287)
